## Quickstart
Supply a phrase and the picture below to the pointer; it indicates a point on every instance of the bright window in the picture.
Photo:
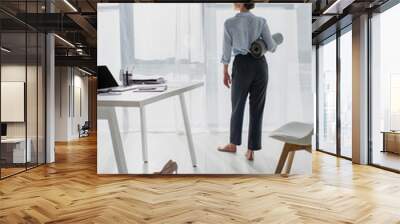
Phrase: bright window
(327, 97)
(385, 85)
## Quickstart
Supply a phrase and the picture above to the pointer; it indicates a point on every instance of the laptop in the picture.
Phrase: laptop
(107, 83)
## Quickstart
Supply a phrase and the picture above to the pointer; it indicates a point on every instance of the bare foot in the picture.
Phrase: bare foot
(228, 148)
(250, 155)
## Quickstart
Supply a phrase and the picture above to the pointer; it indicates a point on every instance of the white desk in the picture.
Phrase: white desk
(106, 104)
(19, 155)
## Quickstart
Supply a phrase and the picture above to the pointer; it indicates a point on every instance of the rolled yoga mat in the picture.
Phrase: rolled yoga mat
(258, 47)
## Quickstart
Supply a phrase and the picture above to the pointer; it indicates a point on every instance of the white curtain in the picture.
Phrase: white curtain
(183, 42)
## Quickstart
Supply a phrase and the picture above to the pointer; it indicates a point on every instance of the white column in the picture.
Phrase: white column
(360, 90)
(50, 99)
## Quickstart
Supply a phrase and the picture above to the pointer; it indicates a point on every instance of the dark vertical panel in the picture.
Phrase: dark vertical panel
(44, 80)
(26, 87)
(37, 91)
(317, 97)
(338, 93)
(369, 79)
(45, 90)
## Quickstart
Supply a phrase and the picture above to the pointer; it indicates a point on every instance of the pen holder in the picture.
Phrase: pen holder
(125, 77)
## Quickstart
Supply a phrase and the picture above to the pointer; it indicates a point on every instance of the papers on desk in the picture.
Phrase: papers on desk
(138, 83)
(148, 83)
(134, 88)
(151, 88)
(137, 79)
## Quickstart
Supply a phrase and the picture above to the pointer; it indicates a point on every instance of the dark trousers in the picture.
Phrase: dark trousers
(249, 77)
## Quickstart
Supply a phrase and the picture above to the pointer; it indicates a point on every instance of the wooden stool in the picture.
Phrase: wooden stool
(288, 152)
(296, 136)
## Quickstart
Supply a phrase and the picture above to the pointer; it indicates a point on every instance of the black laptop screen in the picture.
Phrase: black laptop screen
(104, 78)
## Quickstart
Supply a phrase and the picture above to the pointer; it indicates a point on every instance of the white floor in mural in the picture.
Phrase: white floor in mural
(165, 146)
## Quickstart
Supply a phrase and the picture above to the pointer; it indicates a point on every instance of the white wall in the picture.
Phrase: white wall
(70, 83)
(79, 117)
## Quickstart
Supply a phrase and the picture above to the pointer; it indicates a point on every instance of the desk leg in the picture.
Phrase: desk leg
(110, 115)
(143, 129)
(188, 130)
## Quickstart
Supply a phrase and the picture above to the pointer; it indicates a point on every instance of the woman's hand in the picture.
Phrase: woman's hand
(227, 79)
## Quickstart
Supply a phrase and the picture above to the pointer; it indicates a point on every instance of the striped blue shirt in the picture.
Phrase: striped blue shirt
(242, 30)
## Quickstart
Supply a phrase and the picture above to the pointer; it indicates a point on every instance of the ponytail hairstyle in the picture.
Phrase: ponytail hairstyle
(250, 5)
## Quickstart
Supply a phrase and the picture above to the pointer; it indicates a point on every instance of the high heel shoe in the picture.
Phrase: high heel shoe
(174, 168)
(170, 167)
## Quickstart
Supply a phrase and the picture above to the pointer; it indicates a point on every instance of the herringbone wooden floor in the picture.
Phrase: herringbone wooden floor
(69, 191)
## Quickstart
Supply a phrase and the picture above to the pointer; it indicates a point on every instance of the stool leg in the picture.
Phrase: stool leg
(282, 159)
(290, 162)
